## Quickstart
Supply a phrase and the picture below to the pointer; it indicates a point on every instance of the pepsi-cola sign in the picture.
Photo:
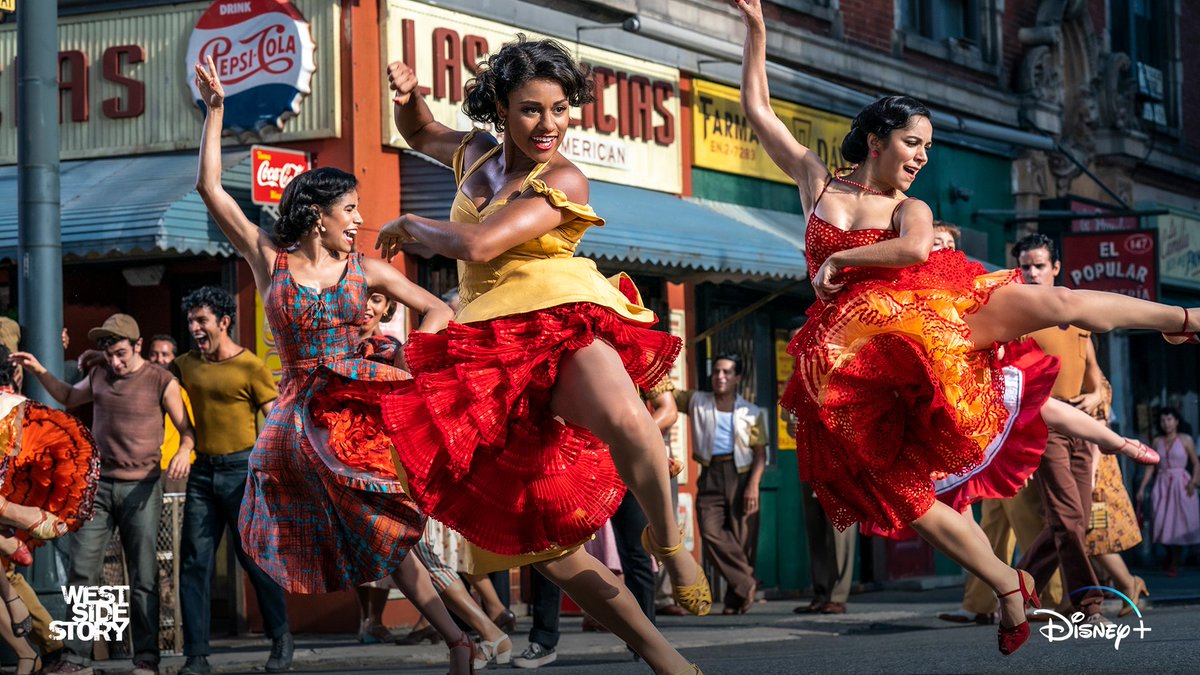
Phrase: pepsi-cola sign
(263, 52)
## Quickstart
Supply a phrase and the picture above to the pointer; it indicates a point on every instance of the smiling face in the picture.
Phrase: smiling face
(725, 378)
(536, 117)
(123, 356)
(903, 153)
(377, 305)
(341, 221)
(208, 332)
(162, 353)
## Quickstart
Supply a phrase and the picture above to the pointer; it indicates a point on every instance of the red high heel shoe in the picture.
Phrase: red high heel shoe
(1184, 336)
(1012, 637)
(22, 556)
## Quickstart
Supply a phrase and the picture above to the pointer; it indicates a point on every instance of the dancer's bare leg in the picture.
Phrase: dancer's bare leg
(413, 579)
(459, 601)
(599, 593)
(1020, 309)
(482, 584)
(594, 391)
(947, 531)
(975, 528)
(371, 602)
(1113, 565)
(19, 645)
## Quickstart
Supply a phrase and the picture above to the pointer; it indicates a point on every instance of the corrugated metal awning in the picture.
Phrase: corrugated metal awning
(131, 206)
(650, 228)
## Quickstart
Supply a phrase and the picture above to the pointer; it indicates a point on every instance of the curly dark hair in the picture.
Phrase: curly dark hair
(319, 188)
(8, 369)
(880, 118)
(1033, 242)
(216, 299)
(516, 63)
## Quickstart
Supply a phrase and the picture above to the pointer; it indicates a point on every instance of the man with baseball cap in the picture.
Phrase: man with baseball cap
(129, 397)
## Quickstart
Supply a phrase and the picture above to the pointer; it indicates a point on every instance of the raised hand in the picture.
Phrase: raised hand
(209, 84)
(751, 11)
(392, 237)
(28, 362)
(402, 80)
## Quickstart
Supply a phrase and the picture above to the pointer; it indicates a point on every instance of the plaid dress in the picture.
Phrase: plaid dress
(313, 523)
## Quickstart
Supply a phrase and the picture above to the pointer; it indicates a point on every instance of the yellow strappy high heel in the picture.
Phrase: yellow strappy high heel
(695, 599)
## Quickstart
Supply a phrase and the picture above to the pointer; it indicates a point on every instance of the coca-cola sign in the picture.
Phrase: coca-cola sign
(263, 52)
(271, 171)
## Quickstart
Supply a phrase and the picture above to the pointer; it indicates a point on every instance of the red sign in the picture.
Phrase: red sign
(271, 169)
(1109, 224)
(1119, 262)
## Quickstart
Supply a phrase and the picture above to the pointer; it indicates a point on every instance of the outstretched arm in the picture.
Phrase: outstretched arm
(414, 120)
(798, 162)
(525, 218)
(250, 241)
(384, 278)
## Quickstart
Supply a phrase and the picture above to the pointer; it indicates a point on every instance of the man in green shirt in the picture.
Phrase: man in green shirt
(228, 386)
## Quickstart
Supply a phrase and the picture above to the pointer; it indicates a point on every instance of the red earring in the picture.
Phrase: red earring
(874, 153)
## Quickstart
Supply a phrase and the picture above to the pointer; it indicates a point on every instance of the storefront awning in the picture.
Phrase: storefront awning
(137, 205)
(658, 228)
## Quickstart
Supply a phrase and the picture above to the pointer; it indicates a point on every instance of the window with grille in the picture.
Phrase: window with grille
(1144, 29)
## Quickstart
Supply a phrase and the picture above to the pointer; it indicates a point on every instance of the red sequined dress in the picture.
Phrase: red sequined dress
(890, 393)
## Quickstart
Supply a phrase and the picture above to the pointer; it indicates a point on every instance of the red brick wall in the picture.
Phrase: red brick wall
(1017, 15)
(869, 23)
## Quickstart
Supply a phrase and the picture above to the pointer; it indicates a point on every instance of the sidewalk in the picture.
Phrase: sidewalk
(771, 621)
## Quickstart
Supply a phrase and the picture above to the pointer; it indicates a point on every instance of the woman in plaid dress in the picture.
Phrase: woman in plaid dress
(312, 523)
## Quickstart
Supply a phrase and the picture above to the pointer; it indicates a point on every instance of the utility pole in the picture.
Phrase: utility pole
(39, 259)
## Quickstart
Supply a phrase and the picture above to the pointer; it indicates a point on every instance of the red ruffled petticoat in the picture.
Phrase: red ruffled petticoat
(475, 433)
(56, 467)
(889, 391)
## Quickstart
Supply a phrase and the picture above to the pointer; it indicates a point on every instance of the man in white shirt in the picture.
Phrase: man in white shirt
(729, 441)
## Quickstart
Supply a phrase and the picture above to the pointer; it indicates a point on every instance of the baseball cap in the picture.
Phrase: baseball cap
(117, 325)
(10, 333)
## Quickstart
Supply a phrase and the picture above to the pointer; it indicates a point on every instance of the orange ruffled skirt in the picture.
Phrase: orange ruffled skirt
(480, 449)
(889, 391)
(51, 462)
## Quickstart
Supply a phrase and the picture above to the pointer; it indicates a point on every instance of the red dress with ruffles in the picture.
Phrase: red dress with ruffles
(480, 446)
(48, 460)
(889, 391)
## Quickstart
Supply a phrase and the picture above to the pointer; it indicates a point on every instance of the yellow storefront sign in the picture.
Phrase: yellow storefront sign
(724, 141)
(8, 5)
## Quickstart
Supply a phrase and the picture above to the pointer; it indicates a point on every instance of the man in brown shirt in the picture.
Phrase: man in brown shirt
(1065, 474)
(129, 397)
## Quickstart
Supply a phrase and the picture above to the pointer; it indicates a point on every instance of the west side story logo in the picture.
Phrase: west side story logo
(97, 612)
(1060, 628)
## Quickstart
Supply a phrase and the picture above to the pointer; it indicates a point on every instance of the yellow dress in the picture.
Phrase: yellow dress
(481, 450)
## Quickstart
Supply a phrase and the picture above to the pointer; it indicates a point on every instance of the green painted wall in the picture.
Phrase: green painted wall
(733, 189)
(988, 177)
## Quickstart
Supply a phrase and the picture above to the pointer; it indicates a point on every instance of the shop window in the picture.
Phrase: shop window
(1145, 30)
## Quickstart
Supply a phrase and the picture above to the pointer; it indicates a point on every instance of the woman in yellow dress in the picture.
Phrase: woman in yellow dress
(523, 421)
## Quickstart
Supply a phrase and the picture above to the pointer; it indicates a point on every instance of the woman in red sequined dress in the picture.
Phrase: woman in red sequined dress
(897, 380)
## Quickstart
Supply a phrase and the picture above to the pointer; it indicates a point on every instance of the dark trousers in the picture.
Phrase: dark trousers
(214, 499)
(1065, 476)
(830, 552)
(725, 528)
(133, 508)
(628, 523)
